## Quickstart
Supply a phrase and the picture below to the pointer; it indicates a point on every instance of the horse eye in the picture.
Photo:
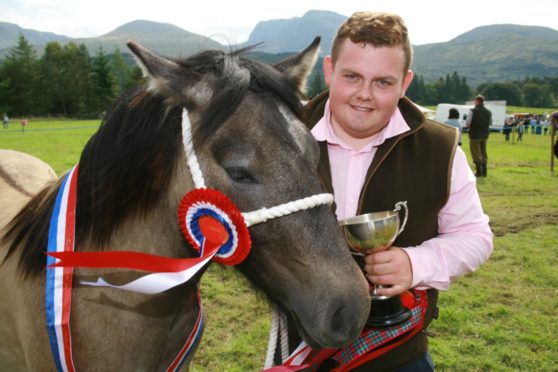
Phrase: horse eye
(240, 175)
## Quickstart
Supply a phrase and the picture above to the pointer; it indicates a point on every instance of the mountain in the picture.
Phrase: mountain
(9, 35)
(295, 34)
(488, 53)
(162, 38)
(492, 53)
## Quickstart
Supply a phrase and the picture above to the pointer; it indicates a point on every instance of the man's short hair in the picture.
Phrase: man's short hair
(377, 29)
(480, 98)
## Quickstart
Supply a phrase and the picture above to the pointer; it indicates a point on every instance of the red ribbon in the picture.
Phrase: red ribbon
(214, 236)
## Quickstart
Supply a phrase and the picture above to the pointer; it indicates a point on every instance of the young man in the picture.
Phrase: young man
(478, 122)
(377, 150)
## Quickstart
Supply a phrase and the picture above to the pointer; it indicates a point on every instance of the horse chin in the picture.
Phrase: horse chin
(314, 344)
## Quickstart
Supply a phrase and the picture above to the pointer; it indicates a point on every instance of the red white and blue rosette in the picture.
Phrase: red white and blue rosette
(201, 210)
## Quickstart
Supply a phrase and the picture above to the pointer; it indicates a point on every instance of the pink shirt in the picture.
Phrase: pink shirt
(464, 238)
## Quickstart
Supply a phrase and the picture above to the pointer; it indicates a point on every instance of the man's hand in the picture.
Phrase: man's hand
(390, 267)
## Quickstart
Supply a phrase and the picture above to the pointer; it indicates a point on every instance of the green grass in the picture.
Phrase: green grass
(504, 317)
(57, 142)
(531, 110)
(516, 109)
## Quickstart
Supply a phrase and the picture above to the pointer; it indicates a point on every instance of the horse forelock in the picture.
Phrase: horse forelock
(236, 76)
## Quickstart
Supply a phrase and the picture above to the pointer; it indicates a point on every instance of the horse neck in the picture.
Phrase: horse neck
(135, 330)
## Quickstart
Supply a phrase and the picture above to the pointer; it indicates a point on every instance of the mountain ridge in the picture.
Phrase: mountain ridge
(499, 52)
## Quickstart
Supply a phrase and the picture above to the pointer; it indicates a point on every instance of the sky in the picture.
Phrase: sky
(231, 21)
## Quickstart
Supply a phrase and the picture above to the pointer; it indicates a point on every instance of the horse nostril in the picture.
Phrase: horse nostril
(338, 321)
(342, 325)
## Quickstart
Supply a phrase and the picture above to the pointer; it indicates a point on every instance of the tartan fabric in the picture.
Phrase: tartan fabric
(372, 338)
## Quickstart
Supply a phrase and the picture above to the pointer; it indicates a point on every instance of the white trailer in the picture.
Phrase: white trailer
(498, 109)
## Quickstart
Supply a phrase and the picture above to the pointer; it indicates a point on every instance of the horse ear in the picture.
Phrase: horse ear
(297, 68)
(170, 79)
(159, 70)
(151, 64)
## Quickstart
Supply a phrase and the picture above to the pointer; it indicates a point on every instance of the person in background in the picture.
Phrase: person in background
(508, 126)
(520, 130)
(24, 123)
(453, 120)
(478, 122)
(5, 121)
(376, 149)
(545, 125)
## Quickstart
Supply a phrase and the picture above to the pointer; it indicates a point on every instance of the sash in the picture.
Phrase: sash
(58, 290)
(58, 287)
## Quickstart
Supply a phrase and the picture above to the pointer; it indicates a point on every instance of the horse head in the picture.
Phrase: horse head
(252, 147)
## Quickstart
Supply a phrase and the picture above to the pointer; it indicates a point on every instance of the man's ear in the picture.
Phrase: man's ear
(328, 69)
(407, 80)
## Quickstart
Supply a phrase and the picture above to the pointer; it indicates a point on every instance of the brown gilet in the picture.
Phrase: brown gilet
(415, 167)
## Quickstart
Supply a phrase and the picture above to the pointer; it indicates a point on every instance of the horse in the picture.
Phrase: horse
(133, 173)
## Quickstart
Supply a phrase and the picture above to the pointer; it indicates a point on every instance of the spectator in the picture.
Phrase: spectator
(453, 120)
(5, 121)
(478, 122)
(508, 125)
(23, 124)
(520, 130)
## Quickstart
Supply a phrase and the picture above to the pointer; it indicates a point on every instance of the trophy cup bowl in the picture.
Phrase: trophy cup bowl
(370, 233)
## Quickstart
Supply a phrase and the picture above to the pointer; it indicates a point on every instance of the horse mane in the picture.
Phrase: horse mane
(127, 165)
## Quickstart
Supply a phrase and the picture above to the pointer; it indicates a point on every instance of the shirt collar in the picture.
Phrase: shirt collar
(323, 131)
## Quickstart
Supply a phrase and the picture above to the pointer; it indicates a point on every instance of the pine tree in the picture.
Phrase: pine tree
(317, 84)
(19, 79)
(103, 82)
(120, 70)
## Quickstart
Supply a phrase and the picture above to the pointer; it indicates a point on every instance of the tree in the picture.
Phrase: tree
(508, 92)
(19, 77)
(120, 70)
(103, 82)
(83, 70)
(317, 84)
(136, 78)
(65, 74)
(464, 91)
(537, 95)
(416, 90)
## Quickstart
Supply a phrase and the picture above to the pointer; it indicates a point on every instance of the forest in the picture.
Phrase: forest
(66, 81)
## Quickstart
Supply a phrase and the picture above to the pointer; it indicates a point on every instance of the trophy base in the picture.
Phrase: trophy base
(387, 311)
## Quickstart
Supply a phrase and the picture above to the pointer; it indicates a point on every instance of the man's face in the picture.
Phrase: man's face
(365, 86)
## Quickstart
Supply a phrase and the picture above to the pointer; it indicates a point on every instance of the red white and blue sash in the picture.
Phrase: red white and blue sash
(211, 235)
(192, 341)
(58, 291)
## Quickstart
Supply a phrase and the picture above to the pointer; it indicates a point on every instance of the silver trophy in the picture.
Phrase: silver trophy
(375, 232)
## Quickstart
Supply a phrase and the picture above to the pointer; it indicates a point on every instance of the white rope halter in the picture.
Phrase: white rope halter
(279, 322)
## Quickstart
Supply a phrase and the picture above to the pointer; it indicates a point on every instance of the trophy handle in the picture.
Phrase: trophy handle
(398, 206)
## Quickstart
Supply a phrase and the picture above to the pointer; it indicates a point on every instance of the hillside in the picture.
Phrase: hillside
(9, 34)
(492, 53)
(295, 34)
(162, 38)
(488, 53)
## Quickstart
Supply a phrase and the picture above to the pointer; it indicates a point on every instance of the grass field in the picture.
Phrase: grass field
(504, 317)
